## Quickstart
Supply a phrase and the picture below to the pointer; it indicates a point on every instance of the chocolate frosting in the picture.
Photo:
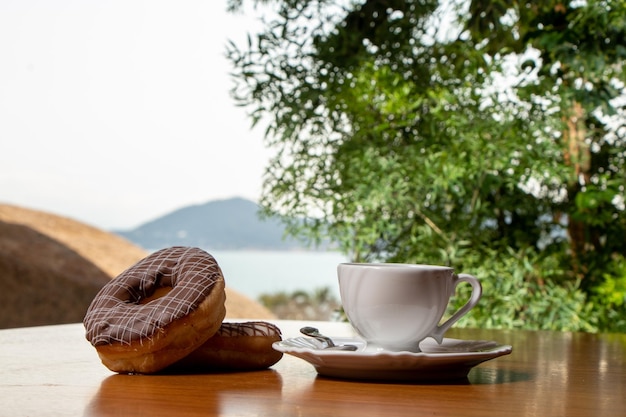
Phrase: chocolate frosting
(116, 315)
(250, 328)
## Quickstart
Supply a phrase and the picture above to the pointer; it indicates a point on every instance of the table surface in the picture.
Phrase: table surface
(53, 370)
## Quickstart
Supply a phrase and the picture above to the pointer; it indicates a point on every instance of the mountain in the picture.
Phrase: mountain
(51, 267)
(220, 224)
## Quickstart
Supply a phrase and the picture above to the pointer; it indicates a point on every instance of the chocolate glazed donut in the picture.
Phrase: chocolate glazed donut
(235, 347)
(157, 311)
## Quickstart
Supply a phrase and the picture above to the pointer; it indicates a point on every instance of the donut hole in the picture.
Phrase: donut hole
(159, 292)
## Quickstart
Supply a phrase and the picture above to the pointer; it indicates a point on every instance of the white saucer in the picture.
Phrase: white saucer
(453, 359)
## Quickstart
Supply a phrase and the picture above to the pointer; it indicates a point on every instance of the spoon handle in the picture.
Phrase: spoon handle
(314, 333)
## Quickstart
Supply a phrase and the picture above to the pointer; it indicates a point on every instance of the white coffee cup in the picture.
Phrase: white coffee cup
(396, 306)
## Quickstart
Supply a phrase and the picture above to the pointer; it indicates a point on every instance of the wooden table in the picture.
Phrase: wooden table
(54, 371)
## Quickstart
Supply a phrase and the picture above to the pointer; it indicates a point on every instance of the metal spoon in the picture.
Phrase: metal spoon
(327, 341)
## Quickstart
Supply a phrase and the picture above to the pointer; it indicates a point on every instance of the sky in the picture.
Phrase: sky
(117, 112)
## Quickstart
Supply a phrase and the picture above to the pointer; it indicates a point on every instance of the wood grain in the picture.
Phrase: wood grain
(52, 370)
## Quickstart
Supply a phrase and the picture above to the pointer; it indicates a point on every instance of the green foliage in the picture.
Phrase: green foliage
(524, 291)
(319, 304)
(488, 135)
(609, 297)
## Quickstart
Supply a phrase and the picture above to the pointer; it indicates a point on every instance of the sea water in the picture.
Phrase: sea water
(253, 273)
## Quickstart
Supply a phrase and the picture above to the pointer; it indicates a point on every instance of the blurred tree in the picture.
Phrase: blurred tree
(319, 304)
(438, 131)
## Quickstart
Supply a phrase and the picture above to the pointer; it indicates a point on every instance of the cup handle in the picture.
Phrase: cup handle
(477, 291)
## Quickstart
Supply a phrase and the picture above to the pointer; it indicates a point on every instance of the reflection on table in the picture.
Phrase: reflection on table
(52, 370)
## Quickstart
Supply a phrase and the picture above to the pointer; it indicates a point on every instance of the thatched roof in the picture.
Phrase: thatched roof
(51, 267)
